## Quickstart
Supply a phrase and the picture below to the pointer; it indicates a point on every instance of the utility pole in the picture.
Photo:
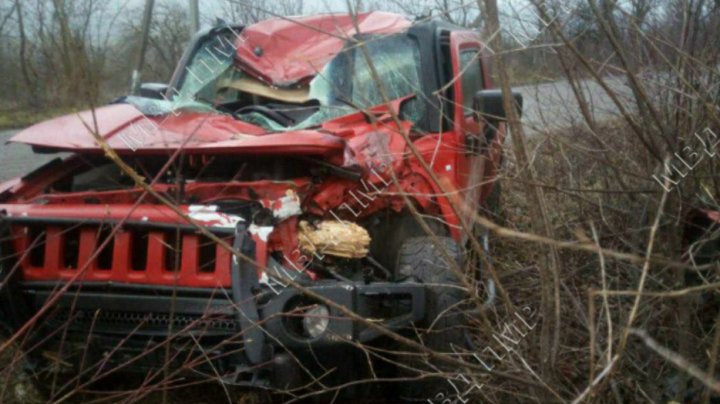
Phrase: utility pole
(137, 72)
(194, 17)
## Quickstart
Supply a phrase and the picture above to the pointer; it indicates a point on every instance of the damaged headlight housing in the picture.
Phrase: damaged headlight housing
(306, 319)
(316, 320)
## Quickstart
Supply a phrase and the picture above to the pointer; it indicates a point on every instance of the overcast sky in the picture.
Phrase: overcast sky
(514, 14)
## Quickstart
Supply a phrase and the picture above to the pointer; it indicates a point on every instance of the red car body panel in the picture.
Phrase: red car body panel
(284, 51)
(281, 52)
(62, 215)
(127, 130)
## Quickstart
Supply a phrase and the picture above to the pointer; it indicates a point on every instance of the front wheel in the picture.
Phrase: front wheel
(425, 260)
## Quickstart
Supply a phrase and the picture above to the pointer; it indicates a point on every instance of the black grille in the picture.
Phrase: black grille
(129, 321)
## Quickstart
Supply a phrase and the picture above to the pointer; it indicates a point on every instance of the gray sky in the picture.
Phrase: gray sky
(515, 14)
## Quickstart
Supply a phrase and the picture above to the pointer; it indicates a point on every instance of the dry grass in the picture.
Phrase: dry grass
(587, 205)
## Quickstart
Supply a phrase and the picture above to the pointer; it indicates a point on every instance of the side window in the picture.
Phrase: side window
(471, 79)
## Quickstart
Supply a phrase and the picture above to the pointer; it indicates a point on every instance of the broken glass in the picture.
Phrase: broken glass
(348, 83)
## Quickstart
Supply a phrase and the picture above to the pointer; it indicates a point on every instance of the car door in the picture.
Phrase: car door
(468, 78)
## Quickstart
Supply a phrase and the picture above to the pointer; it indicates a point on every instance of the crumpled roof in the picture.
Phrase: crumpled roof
(285, 51)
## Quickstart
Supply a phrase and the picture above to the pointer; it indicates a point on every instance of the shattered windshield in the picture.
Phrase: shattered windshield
(197, 90)
(345, 85)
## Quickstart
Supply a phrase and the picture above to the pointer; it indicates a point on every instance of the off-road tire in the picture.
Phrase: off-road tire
(421, 260)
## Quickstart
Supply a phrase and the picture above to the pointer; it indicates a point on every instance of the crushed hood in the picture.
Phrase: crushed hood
(127, 130)
(284, 51)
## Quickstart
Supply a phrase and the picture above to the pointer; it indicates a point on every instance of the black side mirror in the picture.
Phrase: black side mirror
(153, 90)
(488, 104)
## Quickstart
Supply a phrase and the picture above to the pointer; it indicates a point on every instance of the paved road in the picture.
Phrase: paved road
(552, 105)
(17, 159)
(547, 106)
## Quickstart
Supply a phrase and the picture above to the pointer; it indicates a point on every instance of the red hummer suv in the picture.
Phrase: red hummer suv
(286, 198)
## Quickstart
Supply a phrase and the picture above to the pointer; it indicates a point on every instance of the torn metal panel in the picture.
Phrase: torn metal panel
(262, 232)
(126, 130)
(287, 206)
(284, 51)
(209, 214)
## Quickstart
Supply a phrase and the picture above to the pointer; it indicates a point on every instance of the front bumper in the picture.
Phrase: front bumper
(120, 309)
(245, 329)
(134, 322)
